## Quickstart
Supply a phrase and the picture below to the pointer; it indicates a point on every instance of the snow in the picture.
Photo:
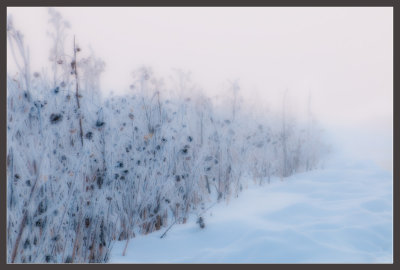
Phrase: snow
(84, 170)
(340, 214)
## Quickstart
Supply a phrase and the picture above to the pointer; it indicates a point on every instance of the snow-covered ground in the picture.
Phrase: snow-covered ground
(341, 215)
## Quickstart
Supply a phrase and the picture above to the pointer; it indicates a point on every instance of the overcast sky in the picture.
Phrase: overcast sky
(342, 56)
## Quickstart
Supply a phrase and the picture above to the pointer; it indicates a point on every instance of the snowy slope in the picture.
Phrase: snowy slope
(341, 215)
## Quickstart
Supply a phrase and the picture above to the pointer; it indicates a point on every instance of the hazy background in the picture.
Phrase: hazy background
(342, 57)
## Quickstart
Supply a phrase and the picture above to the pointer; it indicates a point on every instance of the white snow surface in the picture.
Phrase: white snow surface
(340, 214)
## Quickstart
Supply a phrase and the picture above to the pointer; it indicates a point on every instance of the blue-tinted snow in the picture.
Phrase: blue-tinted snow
(340, 214)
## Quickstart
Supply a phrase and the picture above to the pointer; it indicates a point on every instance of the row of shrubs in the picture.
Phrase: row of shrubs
(85, 171)
(144, 162)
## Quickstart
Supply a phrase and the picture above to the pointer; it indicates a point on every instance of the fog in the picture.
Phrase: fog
(341, 58)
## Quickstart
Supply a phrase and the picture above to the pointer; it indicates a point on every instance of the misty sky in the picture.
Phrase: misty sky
(342, 56)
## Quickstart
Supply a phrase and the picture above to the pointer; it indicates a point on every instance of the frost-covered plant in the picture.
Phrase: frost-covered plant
(84, 172)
